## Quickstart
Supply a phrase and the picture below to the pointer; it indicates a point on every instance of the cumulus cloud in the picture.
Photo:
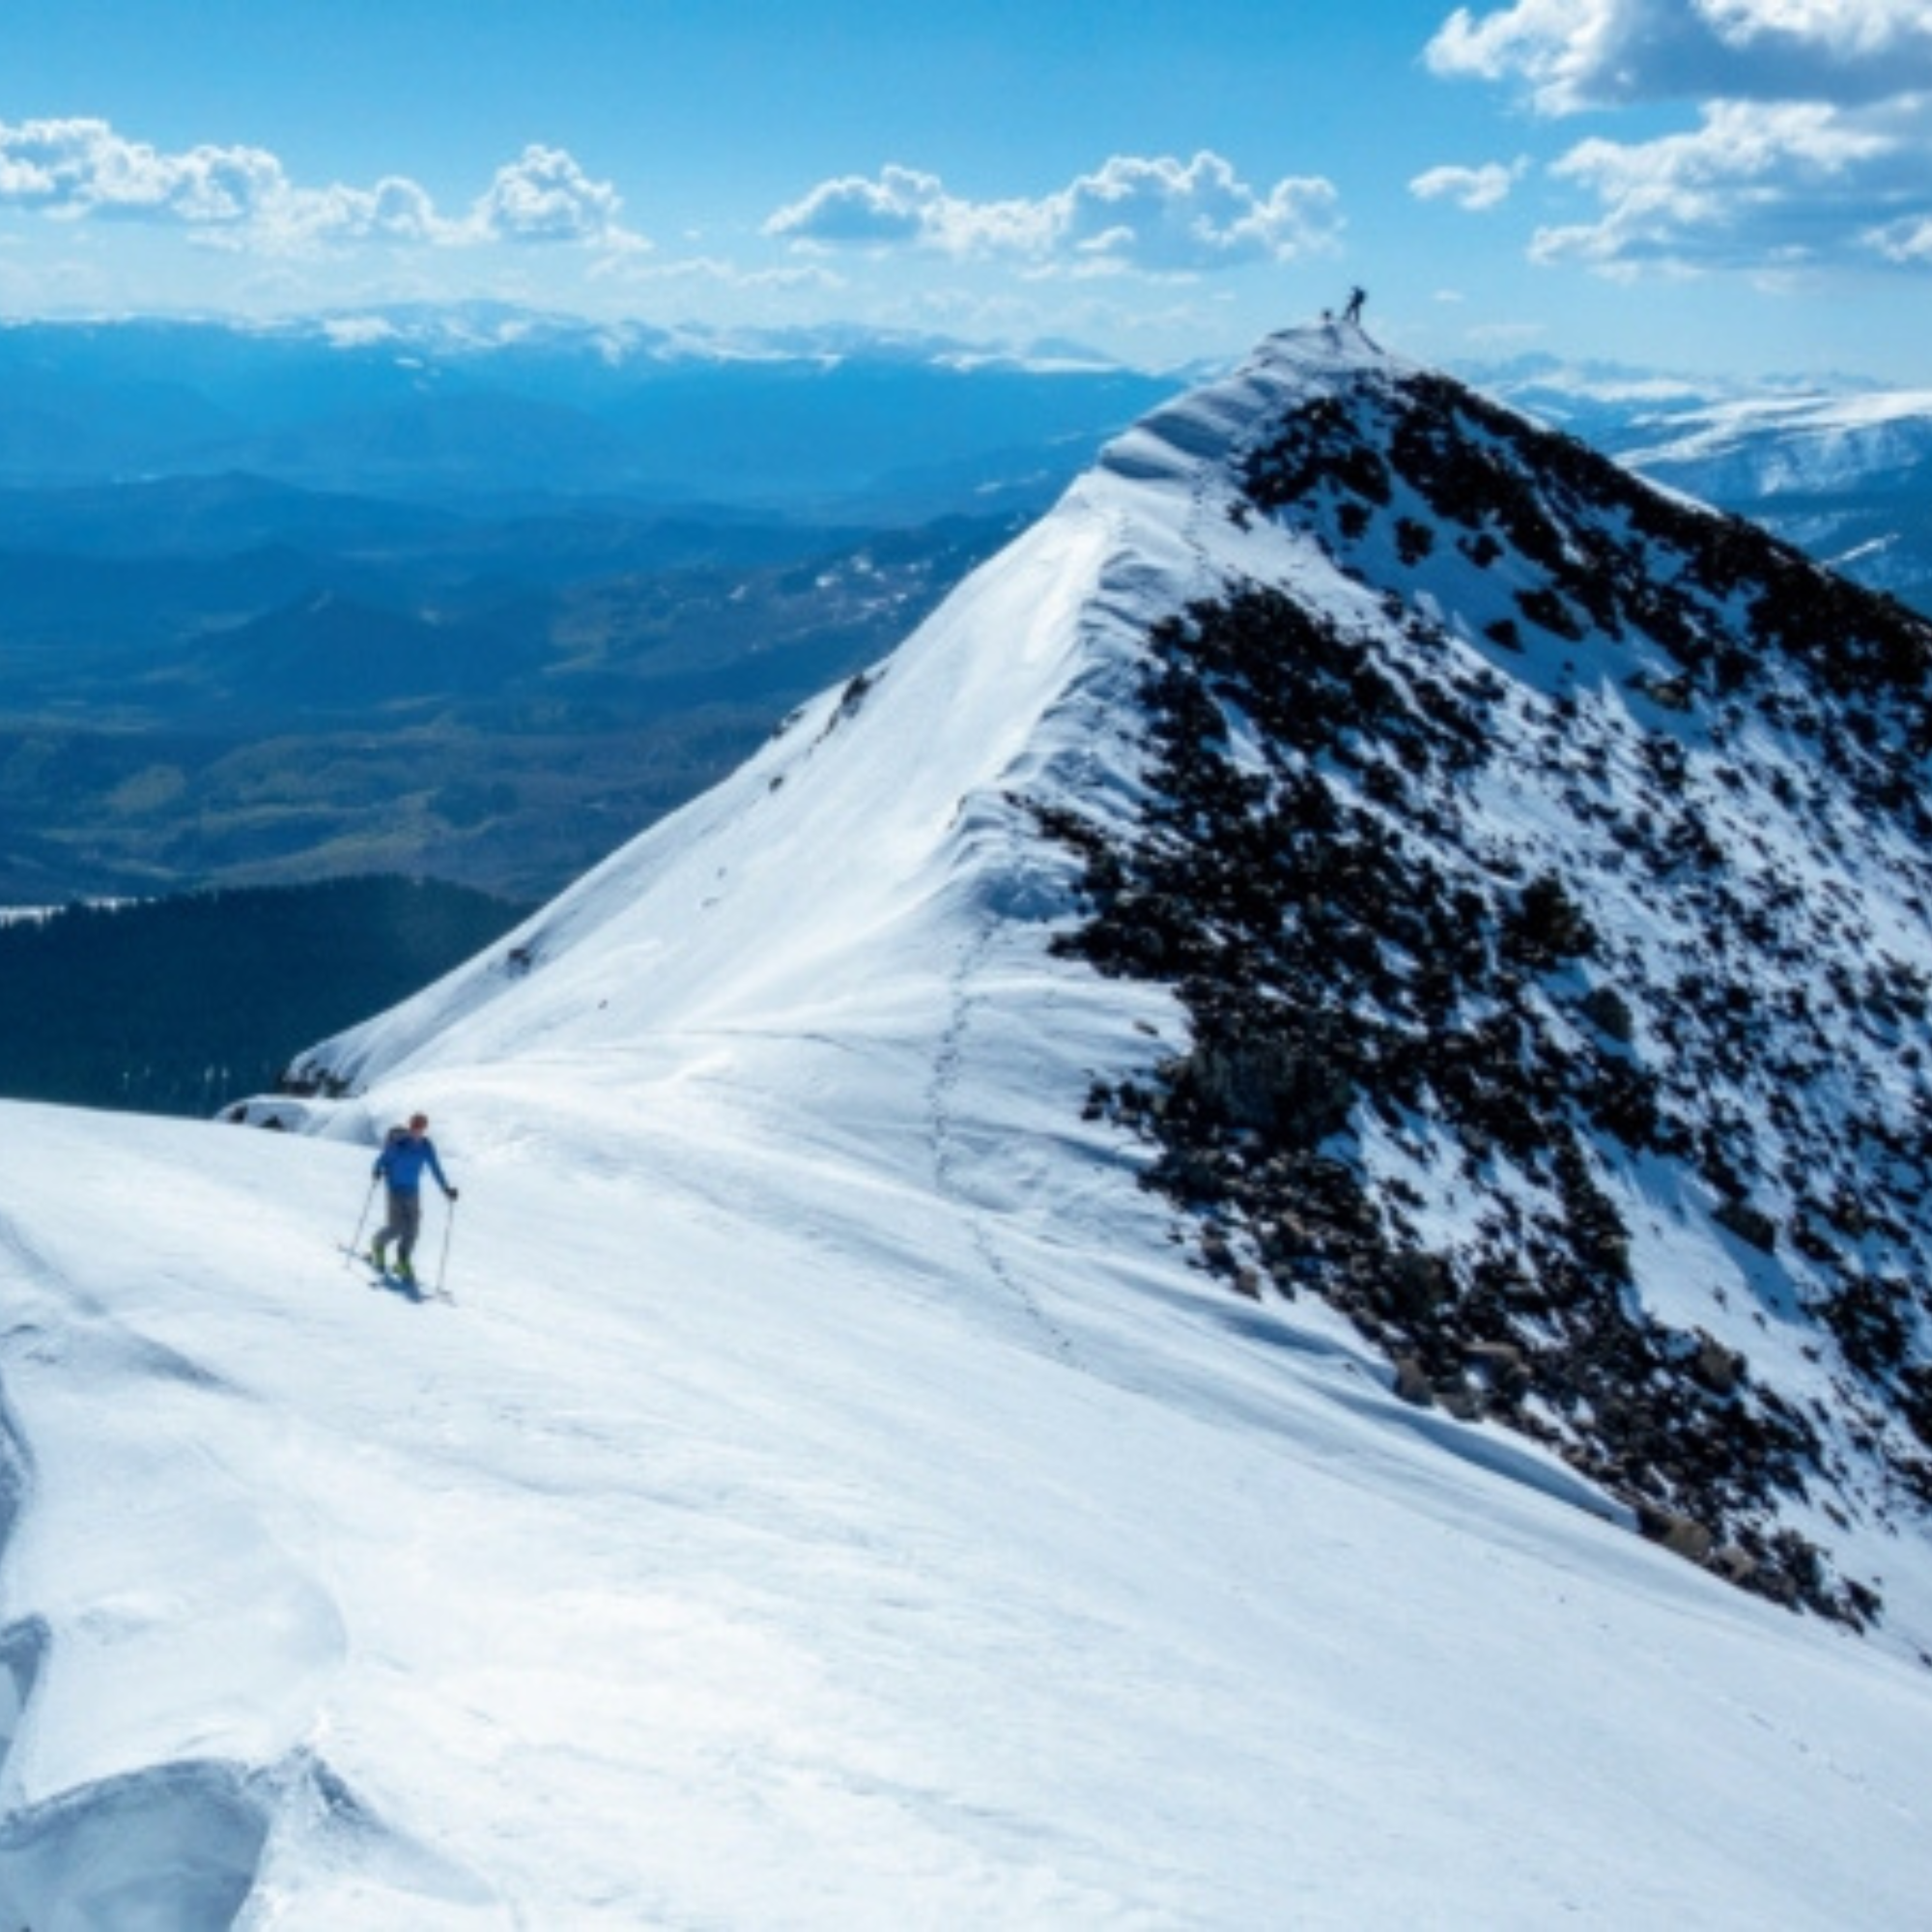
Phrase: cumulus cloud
(899, 206)
(544, 196)
(1162, 214)
(1473, 189)
(1789, 184)
(1812, 142)
(1156, 213)
(80, 169)
(1908, 242)
(395, 210)
(1574, 54)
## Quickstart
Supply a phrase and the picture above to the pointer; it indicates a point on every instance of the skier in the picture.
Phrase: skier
(1354, 311)
(405, 1155)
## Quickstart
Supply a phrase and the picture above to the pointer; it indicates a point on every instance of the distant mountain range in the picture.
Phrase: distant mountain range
(225, 680)
(1843, 469)
(497, 404)
(471, 592)
(479, 592)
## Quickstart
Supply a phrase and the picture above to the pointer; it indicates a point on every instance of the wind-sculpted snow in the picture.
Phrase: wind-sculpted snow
(100, 1825)
(175, 1847)
(172, 1844)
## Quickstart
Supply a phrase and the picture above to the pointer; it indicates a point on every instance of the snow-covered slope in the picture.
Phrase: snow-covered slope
(838, 1494)
(1431, 683)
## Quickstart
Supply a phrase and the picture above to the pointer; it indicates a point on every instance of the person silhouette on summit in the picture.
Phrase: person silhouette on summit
(406, 1153)
(1354, 311)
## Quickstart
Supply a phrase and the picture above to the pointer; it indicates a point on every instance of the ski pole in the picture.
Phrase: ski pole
(448, 1229)
(354, 1246)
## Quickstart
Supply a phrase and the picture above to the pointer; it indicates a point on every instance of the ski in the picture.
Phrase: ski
(396, 1284)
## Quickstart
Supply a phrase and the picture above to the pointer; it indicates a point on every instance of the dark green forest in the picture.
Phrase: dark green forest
(177, 1006)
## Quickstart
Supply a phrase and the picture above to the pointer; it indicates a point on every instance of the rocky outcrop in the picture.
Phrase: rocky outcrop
(1547, 884)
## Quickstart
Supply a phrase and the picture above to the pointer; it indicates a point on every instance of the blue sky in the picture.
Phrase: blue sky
(1735, 184)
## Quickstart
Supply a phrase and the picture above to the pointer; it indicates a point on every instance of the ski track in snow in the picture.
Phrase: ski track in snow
(942, 1099)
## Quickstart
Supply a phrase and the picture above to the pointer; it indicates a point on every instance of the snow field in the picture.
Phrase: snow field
(698, 1570)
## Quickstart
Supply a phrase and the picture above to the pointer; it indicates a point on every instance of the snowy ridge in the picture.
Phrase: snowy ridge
(838, 1494)
(1017, 685)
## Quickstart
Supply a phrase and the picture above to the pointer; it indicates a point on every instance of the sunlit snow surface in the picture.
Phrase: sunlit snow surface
(831, 1499)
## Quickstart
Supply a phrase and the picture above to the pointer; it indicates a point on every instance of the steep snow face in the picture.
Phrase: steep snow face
(841, 1492)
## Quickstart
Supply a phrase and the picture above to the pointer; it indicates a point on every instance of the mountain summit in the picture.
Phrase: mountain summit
(1069, 1291)
(1526, 870)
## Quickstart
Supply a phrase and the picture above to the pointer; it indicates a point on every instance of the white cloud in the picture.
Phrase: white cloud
(1472, 188)
(1154, 213)
(1908, 242)
(1812, 143)
(1161, 214)
(900, 206)
(1579, 53)
(544, 196)
(242, 197)
(395, 210)
(81, 167)
(1785, 186)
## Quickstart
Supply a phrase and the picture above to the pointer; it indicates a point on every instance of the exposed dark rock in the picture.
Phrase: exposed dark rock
(1412, 1383)
(1748, 1223)
(1374, 959)
(1680, 1535)
(1717, 1367)
(1608, 1012)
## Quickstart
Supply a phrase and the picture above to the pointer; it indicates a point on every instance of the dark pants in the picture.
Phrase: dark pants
(405, 1222)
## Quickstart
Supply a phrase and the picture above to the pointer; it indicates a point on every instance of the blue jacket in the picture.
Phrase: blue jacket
(402, 1161)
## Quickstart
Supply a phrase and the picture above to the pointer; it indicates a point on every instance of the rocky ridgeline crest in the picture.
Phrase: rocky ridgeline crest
(1583, 877)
